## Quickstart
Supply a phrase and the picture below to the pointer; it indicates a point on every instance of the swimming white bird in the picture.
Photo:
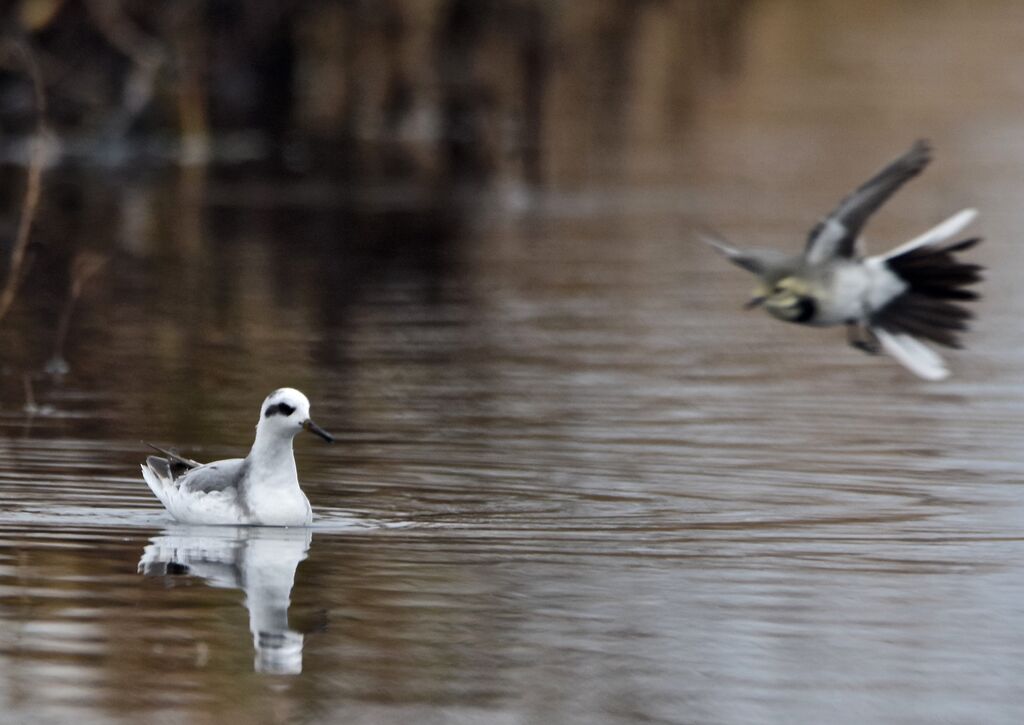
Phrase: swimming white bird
(261, 489)
(886, 301)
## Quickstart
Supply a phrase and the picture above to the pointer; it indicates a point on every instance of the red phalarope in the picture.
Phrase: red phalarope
(261, 489)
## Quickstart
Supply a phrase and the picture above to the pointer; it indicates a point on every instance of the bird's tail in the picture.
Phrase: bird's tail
(157, 473)
(931, 307)
(913, 354)
(937, 282)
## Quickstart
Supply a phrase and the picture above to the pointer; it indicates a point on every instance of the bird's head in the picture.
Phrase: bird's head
(790, 298)
(778, 289)
(285, 413)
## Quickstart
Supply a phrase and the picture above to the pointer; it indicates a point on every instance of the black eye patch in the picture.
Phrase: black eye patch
(282, 408)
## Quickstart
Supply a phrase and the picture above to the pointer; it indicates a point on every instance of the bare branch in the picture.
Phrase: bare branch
(34, 179)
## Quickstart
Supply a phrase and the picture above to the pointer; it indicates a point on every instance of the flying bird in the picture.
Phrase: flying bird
(892, 301)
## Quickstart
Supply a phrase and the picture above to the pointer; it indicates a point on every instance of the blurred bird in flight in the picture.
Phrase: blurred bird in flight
(888, 302)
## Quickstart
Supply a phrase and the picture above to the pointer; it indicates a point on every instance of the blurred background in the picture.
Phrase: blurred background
(252, 171)
(574, 482)
(239, 163)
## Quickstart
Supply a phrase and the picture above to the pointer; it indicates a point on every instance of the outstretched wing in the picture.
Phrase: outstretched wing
(836, 235)
(739, 257)
(765, 263)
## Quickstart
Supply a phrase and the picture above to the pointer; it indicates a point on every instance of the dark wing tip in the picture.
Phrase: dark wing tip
(922, 146)
(916, 158)
(920, 152)
(174, 458)
(159, 466)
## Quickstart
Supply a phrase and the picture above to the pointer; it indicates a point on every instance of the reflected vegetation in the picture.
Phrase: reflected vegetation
(259, 561)
(206, 204)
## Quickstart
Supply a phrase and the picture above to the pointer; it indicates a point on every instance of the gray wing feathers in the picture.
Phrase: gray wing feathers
(766, 263)
(836, 235)
(738, 257)
(219, 476)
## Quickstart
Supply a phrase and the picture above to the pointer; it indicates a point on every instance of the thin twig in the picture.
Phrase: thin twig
(110, 19)
(85, 265)
(34, 180)
(145, 52)
(30, 399)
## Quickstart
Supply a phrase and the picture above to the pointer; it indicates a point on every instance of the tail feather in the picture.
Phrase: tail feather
(937, 235)
(964, 245)
(913, 354)
(157, 477)
(928, 308)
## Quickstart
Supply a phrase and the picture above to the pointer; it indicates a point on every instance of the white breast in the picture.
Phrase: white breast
(270, 504)
(857, 290)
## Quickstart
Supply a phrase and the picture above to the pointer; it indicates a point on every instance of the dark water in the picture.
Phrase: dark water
(574, 482)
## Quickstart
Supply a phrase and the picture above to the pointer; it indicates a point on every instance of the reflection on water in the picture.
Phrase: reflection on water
(259, 561)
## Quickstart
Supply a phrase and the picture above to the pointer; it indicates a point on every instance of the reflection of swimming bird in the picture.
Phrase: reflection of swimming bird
(262, 488)
(262, 562)
(890, 301)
